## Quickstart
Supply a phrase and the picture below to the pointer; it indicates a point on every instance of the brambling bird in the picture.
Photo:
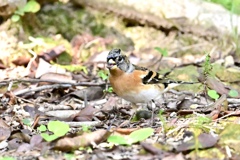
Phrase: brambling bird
(134, 83)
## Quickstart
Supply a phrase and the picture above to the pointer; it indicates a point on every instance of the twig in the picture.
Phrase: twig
(219, 102)
(232, 113)
(58, 85)
(31, 60)
(10, 86)
(157, 61)
(27, 90)
(80, 124)
(54, 81)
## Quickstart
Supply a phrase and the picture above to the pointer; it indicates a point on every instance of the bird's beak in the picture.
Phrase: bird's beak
(111, 64)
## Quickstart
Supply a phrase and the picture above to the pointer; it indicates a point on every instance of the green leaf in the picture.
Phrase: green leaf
(20, 12)
(32, 6)
(213, 94)
(48, 137)
(140, 135)
(207, 65)
(163, 51)
(26, 122)
(58, 128)
(102, 74)
(7, 158)
(201, 120)
(117, 140)
(109, 90)
(69, 156)
(42, 128)
(85, 128)
(15, 18)
(233, 93)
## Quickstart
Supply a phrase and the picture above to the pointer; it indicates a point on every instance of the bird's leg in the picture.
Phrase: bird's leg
(153, 109)
(167, 73)
(133, 111)
(134, 107)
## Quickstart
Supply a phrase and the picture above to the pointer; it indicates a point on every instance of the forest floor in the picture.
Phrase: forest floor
(57, 103)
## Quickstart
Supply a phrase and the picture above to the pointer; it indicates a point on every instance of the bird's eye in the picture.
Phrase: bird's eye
(120, 59)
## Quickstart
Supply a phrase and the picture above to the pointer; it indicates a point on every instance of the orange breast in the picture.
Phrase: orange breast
(129, 85)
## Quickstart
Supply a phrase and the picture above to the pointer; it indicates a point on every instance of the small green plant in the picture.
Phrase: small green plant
(201, 120)
(213, 94)
(197, 127)
(207, 66)
(208, 72)
(57, 128)
(163, 51)
(86, 149)
(134, 137)
(86, 128)
(69, 156)
(42, 128)
(108, 90)
(162, 118)
(103, 74)
(201, 123)
(233, 93)
(26, 121)
(31, 6)
(7, 158)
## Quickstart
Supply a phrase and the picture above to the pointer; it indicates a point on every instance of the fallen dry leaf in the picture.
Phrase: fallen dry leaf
(24, 147)
(14, 143)
(33, 111)
(5, 130)
(90, 93)
(53, 53)
(21, 61)
(61, 114)
(109, 105)
(45, 67)
(204, 141)
(125, 130)
(35, 142)
(87, 139)
(151, 149)
(56, 77)
(22, 135)
(84, 115)
(10, 97)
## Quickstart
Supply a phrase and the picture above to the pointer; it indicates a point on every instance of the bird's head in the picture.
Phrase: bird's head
(117, 60)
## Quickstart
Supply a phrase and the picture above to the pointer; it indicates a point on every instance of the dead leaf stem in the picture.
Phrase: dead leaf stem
(59, 84)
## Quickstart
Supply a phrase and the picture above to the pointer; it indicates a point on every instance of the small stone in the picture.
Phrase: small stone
(229, 61)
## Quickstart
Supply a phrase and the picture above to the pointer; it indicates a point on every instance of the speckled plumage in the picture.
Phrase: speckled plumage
(134, 83)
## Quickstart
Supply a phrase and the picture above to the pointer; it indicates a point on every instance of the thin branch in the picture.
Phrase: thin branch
(36, 89)
(58, 84)
(53, 81)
